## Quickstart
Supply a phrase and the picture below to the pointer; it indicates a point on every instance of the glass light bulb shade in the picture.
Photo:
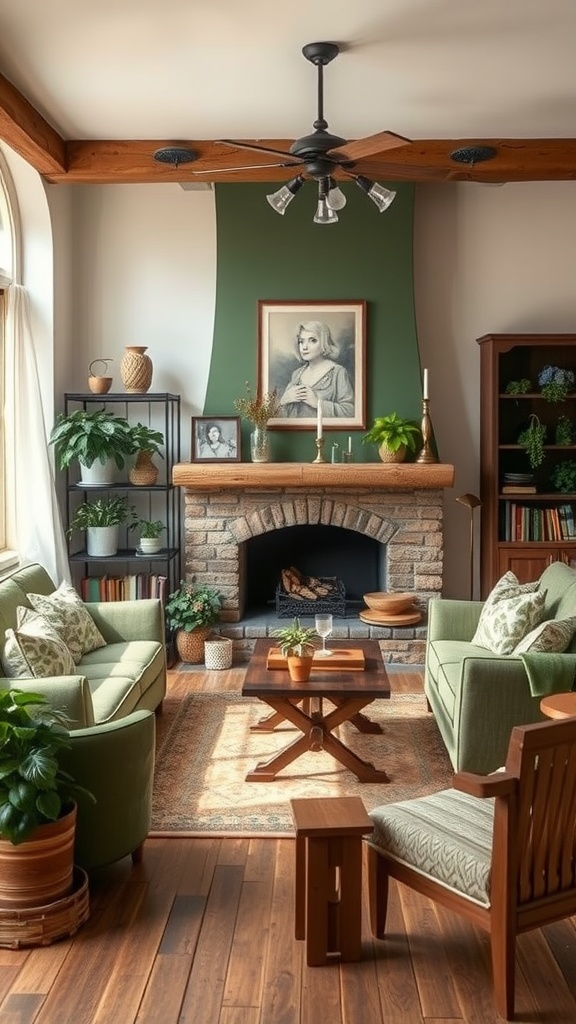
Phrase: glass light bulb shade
(279, 200)
(324, 215)
(336, 199)
(381, 196)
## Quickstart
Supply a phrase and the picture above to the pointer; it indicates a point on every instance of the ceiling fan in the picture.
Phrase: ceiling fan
(320, 154)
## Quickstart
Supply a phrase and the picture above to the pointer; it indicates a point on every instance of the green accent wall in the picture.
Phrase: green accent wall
(366, 255)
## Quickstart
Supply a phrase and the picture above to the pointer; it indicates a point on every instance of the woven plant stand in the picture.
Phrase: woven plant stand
(40, 926)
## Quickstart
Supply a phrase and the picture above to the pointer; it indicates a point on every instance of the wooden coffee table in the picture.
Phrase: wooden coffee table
(346, 691)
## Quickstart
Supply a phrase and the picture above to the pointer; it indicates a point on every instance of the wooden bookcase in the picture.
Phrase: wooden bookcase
(505, 358)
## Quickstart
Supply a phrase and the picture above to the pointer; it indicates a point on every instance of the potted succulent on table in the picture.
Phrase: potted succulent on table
(37, 808)
(101, 519)
(394, 436)
(297, 644)
(146, 442)
(98, 441)
(191, 611)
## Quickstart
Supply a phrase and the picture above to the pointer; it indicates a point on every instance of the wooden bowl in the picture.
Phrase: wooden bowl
(393, 604)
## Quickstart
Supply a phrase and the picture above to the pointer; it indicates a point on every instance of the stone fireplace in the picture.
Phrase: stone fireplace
(398, 507)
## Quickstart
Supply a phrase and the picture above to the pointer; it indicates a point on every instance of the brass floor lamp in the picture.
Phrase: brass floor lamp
(471, 502)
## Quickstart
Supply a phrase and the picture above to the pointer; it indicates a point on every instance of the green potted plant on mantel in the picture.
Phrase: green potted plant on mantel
(101, 519)
(297, 643)
(394, 436)
(146, 443)
(36, 802)
(191, 611)
(98, 441)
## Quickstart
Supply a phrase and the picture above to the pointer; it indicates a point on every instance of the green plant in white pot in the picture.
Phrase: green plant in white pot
(394, 437)
(150, 531)
(98, 441)
(101, 519)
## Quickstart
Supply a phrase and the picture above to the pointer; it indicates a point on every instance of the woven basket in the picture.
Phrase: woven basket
(389, 456)
(190, 645)
(136, 369)
(218, 653)
(39, 926)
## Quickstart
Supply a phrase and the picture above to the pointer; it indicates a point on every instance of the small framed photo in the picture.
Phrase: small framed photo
(215, 438)
(314, 353)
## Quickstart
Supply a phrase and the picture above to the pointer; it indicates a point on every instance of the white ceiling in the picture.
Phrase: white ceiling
(207, 69)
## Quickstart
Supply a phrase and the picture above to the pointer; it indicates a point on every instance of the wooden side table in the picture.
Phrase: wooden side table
(328, 911)
(559, 705)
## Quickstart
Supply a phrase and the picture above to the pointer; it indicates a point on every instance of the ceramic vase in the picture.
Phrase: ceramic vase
(136, 369)
(260, 445)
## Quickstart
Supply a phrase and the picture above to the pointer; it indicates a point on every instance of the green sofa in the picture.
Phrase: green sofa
(109, 703)
(477, 696)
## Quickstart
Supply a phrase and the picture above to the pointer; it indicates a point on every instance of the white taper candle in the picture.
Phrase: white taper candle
(425, 385)
(319, 420)
(349, 444)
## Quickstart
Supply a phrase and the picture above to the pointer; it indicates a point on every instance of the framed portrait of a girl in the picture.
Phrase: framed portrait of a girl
(314, 355)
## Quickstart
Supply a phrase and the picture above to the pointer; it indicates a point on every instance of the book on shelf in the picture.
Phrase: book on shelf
(519, 489)
(132, 587)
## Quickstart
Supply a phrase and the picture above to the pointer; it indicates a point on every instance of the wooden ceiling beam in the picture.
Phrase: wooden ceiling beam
(28, 133)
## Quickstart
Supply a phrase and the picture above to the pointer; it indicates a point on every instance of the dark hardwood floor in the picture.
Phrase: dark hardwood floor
(201, 932)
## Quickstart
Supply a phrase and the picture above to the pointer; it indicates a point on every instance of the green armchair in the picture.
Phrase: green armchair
(115, 761)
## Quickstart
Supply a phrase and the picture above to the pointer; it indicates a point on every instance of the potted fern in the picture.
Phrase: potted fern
(394, 436)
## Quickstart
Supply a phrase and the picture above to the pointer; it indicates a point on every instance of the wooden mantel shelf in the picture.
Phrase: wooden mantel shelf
(375, 475)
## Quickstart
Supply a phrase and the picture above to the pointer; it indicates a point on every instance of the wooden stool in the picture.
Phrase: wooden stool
(329, 876)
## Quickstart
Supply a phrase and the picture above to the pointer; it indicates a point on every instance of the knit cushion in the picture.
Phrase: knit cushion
(551, 637)
(447, 835)
(510, 611)
(67, 614)
(34, 649)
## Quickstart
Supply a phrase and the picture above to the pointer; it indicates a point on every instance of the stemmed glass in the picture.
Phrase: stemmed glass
(324, 628)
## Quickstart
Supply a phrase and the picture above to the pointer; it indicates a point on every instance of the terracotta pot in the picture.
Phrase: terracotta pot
(299, 669)
(39, 870)
(190, 644)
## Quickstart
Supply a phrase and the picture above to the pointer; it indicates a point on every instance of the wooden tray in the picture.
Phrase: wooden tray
(383, 619)
(345, 657)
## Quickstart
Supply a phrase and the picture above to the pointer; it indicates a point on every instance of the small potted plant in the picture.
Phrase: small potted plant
(191, 611)
(532, 439)
(150, 531)
(146, 442)
(98, 441)
(394, 437)
(518, 387)
(297, 644)
(101, 519)
(36, 802)
(555, 383)
(564, 476)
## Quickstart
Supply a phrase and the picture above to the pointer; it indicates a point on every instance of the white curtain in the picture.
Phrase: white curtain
(38, 534)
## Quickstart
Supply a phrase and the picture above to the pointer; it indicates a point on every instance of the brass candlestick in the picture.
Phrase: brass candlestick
(319, 442)
(426, 455)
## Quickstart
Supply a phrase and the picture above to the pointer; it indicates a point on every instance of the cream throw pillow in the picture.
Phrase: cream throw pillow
(504, 622)
(550, 637)
(66, 612)
(34, 649)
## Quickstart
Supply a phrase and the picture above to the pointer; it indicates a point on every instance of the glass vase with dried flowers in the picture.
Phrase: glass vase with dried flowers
(258, 409)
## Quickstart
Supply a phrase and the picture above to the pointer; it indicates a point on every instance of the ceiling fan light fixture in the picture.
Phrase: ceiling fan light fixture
(335, 198)
(324, 215)
(279, 200)
(379, 195)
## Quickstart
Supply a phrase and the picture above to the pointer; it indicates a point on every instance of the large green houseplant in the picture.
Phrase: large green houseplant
(37, 802)
(394, 437)
(88, 437)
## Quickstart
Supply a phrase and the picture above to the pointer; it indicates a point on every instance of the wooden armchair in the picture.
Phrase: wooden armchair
(507, 863)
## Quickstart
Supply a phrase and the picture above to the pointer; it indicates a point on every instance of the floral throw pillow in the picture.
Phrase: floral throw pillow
(34, 649)
(550, 637)
(503, 623)
(66, 612)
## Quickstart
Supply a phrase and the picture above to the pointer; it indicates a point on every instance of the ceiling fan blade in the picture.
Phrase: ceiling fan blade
(259, 149)
(372, 145)
(245, 167)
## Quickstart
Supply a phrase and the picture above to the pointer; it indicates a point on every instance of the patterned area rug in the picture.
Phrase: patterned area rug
(206, 749)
